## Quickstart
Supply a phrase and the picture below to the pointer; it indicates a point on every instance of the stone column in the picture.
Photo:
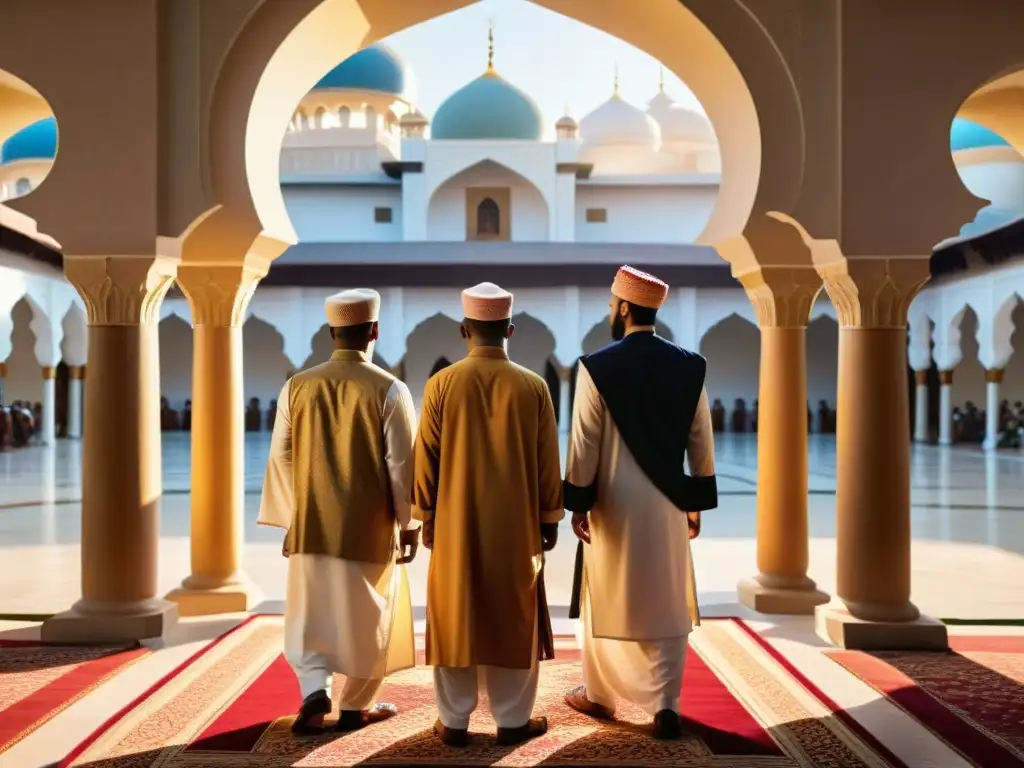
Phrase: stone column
(218, 296)
(921, 407)
(121, 481)
(76, 375)
(564, 409)
(946, 407)
(782, 299)
(993, 378)
(48, 429)
(874, 610)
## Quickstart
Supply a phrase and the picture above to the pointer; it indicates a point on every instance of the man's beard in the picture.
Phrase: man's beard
(618, 328)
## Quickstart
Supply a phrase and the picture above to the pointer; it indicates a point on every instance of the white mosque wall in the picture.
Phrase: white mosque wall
(644, 214)
(339, 213)
(1000, 182)
(447, 211)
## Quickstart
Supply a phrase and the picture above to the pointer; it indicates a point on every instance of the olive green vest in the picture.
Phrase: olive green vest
(343, 505)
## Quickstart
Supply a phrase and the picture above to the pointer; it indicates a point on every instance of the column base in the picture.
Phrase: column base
(800, 600)
(834, 624)
(237, 597)
(82, 626)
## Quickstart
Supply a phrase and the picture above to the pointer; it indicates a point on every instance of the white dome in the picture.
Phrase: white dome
(617, 122)
(679, 124)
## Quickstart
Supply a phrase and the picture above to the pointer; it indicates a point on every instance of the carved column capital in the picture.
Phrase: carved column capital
(874, 292)
(994, 376)
(946, 378)
(3, 370)
(921, 378)
(49, 372)
(219, 294)
(782, 296)
(76, 372)
(121, 290)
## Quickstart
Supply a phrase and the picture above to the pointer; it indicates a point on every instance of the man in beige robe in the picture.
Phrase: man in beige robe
(487, 487)
(640, 408)
(339, 480)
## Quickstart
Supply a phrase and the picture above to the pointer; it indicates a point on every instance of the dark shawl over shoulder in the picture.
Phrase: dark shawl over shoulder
(651, 388)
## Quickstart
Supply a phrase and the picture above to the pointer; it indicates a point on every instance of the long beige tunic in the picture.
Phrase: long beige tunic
(636, 591)
(486, 474)
(356, 613)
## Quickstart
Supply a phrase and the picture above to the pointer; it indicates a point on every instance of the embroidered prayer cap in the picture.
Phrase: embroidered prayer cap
(639, 288)
(354, 307)
(486, 302)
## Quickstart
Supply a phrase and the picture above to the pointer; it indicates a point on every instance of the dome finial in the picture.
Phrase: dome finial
(490, 48)
(615, 82)
(661, 80)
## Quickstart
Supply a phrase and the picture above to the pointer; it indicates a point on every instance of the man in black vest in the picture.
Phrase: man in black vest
(640, 412)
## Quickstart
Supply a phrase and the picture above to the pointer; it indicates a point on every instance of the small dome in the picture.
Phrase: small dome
(377, 68)
(566, 121)
(677, 123)
(619, 122)
(488, 108)
(967, 135)
(413, 117)
(36, 142)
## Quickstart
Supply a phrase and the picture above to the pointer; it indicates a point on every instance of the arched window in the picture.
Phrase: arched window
(22, 187)
(345, 117)
(371, 117)
(320, 112)
(488, 218)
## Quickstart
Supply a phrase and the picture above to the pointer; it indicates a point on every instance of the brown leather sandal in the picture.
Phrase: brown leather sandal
(577, 699)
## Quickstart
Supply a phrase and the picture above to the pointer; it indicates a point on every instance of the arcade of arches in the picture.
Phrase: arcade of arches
(167, 173)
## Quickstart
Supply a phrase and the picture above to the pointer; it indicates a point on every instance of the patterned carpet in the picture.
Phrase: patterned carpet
(232, 705)
(38, 681)
(972, 698)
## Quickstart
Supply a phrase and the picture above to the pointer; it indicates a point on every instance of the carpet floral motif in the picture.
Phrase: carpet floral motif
(234, 706)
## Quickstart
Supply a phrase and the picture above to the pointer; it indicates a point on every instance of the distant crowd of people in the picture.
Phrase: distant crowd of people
(19, 423)
(969, 424)
(742, 420)
(173, 420)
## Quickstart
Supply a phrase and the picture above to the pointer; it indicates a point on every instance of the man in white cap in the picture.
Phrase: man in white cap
(487, 486)
(640, 410)
(339, 480)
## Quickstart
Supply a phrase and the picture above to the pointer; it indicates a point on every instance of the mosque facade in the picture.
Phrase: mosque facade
(489, 188)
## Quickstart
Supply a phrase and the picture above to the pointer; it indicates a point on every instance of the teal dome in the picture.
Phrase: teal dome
(377, 68)
(36, 142)
(967, 135)
(488, 108)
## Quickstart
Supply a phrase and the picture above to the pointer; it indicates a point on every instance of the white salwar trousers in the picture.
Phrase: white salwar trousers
(511, 693)
(315, 675)
(648, 673)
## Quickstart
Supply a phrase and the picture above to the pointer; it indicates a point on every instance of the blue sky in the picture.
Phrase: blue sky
(553, 58)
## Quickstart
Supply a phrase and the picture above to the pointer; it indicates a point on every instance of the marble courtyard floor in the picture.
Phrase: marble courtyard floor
(968, 563)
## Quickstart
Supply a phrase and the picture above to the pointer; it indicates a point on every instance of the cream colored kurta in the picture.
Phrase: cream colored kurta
(356, 616)
(637, 568)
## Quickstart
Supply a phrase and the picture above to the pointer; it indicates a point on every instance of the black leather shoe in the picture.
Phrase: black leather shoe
(535, 726)
(310, 719)
(353, 720)
(451, 737)
(668, 725)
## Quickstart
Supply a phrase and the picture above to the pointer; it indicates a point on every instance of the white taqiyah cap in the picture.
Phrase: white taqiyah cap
(354, 307)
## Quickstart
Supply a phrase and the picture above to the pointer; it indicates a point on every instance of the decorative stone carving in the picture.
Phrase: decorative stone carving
(219, 294)
(874, 292)
(782, 297)
(121, 290)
